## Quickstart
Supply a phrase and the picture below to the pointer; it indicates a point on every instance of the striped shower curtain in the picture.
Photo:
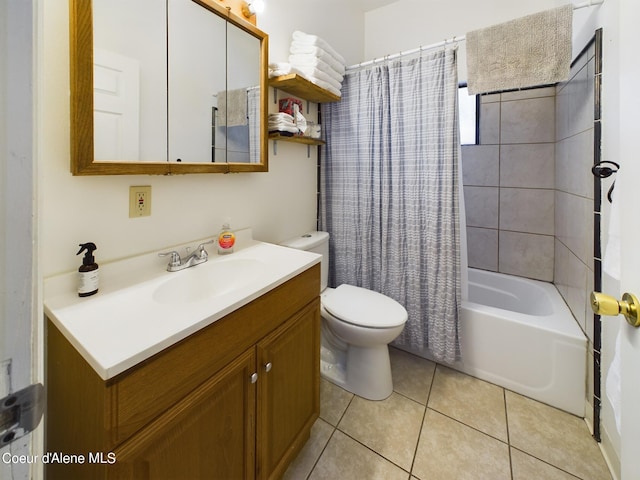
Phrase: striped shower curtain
(390, 192)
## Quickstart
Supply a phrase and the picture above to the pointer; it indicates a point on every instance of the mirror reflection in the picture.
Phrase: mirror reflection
(175, 81)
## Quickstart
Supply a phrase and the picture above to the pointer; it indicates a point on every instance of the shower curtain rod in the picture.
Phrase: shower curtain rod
(590, 3)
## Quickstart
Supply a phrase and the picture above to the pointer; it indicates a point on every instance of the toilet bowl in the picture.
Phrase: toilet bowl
(357, 326)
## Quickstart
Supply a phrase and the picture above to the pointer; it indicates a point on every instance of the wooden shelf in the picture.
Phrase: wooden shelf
(296, 139)
(303, 88)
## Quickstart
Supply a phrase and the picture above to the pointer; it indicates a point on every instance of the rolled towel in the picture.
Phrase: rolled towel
(307, 60)
(314, 40)
(279, 68)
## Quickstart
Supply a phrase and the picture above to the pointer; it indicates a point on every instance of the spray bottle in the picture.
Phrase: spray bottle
(88, 271)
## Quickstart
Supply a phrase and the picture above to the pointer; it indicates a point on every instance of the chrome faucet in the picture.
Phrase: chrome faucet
(176, 263)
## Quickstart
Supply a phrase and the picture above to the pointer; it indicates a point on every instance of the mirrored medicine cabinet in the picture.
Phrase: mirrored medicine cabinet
(166, 87)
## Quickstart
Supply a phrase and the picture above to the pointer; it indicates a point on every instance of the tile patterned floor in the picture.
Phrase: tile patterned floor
(440, 424)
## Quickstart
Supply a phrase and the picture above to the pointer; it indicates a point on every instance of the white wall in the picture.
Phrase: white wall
(340, 23)
(409, 24)
(277, 204)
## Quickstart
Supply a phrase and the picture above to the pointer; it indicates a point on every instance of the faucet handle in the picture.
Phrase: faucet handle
(201, 246)
(174, 260)
(202, 253)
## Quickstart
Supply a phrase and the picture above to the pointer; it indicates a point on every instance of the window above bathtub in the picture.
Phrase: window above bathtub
(468, 105)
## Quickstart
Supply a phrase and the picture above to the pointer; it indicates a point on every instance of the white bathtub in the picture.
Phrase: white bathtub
(519, 334)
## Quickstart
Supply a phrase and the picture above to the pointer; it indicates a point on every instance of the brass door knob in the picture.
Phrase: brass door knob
(629, 306)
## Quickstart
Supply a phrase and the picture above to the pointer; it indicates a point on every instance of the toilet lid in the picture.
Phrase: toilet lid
(366, 308)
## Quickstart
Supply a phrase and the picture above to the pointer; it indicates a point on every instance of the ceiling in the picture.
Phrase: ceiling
(373, 4)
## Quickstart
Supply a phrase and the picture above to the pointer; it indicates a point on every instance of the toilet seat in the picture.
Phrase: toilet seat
(364, 308)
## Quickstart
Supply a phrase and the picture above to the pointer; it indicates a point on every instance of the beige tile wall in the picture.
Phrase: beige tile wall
(509, 182)
(529, 189)
(574, 190)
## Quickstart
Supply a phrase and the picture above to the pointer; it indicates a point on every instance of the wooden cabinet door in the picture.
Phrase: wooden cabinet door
(209, 434)
(288, 390)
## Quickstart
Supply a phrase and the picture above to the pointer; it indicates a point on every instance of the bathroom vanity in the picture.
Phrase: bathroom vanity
(236, 398)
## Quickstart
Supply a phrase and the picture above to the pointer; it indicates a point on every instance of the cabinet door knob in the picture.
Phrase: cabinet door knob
(254, 377)
(268, 366)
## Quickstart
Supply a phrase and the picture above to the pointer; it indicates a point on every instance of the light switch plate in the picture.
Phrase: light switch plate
(139, 201)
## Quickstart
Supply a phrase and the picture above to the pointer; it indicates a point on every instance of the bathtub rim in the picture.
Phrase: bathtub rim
(556, 322)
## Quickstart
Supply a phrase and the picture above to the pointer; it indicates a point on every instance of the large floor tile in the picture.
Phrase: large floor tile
(471, 401)
(390, 427)
(526, 467)
(344, 458)
(303, 464)
(333, 401)
(449, 450)
(555, 437)
(412, 375)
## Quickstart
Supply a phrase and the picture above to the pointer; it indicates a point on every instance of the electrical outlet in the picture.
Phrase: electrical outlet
(139, 201)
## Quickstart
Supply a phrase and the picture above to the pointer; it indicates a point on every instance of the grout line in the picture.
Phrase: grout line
(545, 462)
(506, 419)
(424, 416)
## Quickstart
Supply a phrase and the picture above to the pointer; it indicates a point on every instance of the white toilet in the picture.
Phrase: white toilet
(357, 326)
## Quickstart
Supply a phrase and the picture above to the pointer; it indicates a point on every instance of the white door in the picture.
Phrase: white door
(630, 231)
(116, 106)
(17, 267)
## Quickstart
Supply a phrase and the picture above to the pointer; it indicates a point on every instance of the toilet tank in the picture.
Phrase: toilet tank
(316, 242)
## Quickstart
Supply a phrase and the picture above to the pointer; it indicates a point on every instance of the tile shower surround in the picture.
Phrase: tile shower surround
(529, 189)
(509, 182)
(442, 424)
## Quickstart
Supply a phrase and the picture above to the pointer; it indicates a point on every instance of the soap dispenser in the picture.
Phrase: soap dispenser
(226, 239)
(88, 271)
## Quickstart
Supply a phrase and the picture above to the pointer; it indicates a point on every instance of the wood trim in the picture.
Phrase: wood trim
(78, 408)
(303, 88)
(81, 101)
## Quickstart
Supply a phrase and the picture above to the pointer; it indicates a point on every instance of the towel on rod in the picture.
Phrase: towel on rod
(525, 52)
(232, 107)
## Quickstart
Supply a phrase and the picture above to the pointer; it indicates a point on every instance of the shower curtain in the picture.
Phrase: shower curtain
(390, 192)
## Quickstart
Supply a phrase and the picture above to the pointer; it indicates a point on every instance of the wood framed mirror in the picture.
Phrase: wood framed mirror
(166, 87)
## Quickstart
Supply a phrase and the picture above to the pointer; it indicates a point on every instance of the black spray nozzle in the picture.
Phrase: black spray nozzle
(88, 257)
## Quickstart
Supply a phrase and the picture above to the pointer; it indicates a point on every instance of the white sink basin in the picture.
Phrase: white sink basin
(207, 280)
(141, 309)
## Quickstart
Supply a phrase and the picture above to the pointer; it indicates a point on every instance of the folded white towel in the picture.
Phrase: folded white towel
(314, 40)
(286, 69)
(325, 85)
(280, 117)
(308, 60)
(297, 49)
(312, 73)
(294, 130)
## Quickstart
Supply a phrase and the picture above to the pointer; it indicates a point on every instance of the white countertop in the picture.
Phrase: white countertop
(123, 324)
